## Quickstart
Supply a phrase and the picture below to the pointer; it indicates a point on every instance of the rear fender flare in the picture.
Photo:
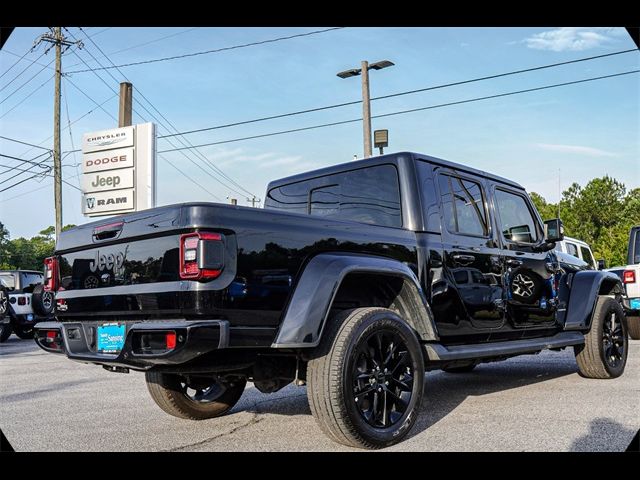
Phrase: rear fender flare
(308, 309)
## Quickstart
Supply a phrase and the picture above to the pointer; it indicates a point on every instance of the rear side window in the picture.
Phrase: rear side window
(463, 206)
(8, 281)
(636, 248)
(28, 281)
(572, 249)
(516, 221)
(367, 195)
(587, 257)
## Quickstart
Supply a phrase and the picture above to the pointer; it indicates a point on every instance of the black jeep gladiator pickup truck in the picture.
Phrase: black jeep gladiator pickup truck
(354, 280)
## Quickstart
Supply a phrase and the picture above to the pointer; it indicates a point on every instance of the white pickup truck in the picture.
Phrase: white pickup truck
(630, 276)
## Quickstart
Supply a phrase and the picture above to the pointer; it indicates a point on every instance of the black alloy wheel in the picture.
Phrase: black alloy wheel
(613, 341)
(382, 378)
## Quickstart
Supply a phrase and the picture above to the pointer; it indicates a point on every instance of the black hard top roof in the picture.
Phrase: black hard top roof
(386, 158)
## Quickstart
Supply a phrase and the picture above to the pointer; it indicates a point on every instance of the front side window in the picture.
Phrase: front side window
(516, 221)
(463, 206)
(587, 257)
(572, 249)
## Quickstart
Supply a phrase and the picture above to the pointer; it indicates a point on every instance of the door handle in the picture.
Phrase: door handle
(464, 259)
(512, 262)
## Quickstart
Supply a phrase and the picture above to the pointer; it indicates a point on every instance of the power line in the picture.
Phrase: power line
(17, 61)
(33, 165)
(4, 50)
(185, 142)
(408, 92)
(413, 110)
(21, 181)
(108, 86)
(189, 178)
(66, 105)
(33, 62)
(25, 143)
(234, 47)
(27, 97)
(136, 46)
(25, 83)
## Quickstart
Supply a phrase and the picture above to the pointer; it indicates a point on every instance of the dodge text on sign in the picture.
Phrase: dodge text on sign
(98, 161)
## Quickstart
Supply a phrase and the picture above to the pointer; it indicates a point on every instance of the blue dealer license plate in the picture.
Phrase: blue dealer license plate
(111, 338)
(635, 303)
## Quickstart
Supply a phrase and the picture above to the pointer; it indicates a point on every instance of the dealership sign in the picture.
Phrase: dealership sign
(119, 170)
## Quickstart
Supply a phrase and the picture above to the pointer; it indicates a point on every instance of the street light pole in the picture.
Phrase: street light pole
(366, 101)
(366, 110)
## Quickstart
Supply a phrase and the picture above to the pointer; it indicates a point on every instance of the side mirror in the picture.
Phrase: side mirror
(553, 230)
(601, 264)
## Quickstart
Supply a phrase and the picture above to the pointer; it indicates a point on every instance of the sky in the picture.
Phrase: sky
(567, 134)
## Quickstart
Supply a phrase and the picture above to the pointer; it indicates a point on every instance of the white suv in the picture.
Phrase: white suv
(579, 249)
(23, 302)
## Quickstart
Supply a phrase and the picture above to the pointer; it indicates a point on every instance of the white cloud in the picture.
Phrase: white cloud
(577, 149)
(280, 162)
(573, 38)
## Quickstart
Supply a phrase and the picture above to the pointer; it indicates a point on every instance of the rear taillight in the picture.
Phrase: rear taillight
(629, 276)
(201, 255)
(51, 274)
(50, 340)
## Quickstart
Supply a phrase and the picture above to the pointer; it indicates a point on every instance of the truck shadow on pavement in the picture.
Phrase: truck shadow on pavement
(443, 392)
(605, 435)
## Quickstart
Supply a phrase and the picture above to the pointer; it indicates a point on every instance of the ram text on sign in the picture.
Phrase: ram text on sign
(107, 139)
(108, 180)
(111, 201)
(99, 161)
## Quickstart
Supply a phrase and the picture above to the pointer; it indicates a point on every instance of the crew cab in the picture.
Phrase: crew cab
(354, 280)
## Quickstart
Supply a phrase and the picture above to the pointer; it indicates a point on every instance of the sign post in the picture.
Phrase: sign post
(119, 170)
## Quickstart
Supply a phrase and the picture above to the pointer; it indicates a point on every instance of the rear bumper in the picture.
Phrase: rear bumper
(194, 338)
(22, 319)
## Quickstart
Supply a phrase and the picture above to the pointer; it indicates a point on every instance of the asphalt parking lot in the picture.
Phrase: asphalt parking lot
(528, 403)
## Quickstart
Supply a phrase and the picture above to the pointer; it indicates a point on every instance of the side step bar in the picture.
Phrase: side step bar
(498, 349)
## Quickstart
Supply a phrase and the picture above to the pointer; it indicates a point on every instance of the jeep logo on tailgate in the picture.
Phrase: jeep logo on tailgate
(110, 261)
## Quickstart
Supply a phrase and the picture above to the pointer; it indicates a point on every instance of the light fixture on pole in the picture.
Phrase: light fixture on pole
(366, 102)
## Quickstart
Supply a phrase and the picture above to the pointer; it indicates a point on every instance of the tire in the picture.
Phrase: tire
(42, 301)
(525, 286)
(463, 369)
(25, 333)
(5, 332)
(634, 327)
(347, 348)
(171, 394)
(605, 349)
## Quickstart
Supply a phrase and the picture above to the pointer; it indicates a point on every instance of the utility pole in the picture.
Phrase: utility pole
(366, 110)
(58, 40)
(253, 201)
(126, 104)
(366, 101)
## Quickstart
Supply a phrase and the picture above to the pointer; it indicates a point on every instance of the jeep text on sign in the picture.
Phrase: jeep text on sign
(112, 159)
(108, 180)
(107, 139)
(113, 201)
